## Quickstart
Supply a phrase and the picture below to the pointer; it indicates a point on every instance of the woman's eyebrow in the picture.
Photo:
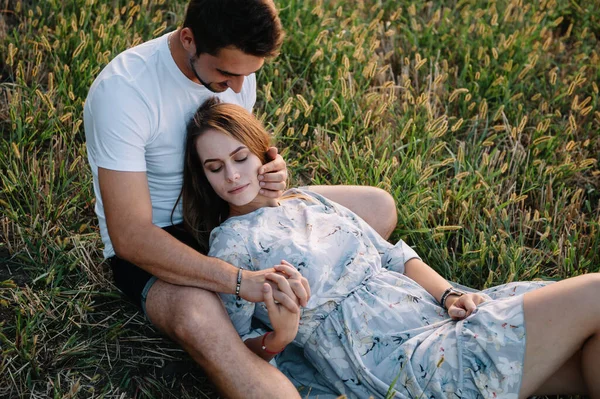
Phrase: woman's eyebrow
(231, 154)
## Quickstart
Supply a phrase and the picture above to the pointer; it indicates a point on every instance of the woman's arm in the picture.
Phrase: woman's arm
(284, 323)
(458, 307)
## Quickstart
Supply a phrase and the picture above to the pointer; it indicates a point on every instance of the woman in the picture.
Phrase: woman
(379, 320)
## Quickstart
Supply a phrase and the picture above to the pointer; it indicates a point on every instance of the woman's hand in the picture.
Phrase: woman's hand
(273, 175)
(284, 322)
(297, 282)
(289, 287)
(460, 307)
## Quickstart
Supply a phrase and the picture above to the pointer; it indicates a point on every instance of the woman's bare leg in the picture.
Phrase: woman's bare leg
(568, 380)
(562, 319)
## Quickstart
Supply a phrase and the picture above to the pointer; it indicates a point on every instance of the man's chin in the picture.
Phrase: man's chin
(216, 88)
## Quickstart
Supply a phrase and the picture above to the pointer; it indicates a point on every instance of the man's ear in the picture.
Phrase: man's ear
(187, 40)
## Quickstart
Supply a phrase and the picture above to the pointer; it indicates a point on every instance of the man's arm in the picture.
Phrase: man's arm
(128, 211)
(374, 205)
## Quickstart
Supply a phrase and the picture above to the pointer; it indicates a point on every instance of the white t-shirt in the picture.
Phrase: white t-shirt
(135, 119)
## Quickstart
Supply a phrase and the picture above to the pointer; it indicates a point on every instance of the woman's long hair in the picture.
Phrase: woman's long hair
(202, 208)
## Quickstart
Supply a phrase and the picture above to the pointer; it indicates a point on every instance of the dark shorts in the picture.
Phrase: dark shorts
(135, 282)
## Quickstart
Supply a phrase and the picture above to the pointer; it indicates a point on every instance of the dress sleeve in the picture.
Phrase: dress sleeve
(393, 257)
(228, 245)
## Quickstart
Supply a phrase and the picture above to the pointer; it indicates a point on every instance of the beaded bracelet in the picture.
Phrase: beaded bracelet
(239, 284)
(264, 347)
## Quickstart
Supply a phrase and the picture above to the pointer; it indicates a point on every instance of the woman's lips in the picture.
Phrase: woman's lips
(238, 190)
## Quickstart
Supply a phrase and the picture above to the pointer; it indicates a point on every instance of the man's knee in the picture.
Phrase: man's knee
(188, 314)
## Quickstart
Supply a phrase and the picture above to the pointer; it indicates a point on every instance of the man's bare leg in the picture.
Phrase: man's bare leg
(374, 205)
(197, 320)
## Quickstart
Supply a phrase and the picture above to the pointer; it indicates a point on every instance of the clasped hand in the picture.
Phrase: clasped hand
(284, 320)
(461, 307)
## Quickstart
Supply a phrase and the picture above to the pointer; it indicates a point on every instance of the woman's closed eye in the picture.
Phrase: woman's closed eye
(242, 159)
(215, 170)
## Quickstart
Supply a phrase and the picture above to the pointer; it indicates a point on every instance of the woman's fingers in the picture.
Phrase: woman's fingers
(464, 306)
(284, 293)
(268, 298)
(468, 304)
(285, 301)
(297, 282)
(456, 312)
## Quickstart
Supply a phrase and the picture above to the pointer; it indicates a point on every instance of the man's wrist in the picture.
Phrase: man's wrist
(238, 285)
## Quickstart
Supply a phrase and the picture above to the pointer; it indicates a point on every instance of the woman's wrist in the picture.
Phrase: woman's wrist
(275, 342)
(450, 300)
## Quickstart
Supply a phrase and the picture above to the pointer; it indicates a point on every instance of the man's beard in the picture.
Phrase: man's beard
(205, 84)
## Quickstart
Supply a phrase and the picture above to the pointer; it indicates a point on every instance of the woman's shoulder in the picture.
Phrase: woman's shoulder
(305, 195)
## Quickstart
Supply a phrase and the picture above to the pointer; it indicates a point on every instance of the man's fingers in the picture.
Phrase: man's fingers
(276, 165)
(272, 153)
(273, 177)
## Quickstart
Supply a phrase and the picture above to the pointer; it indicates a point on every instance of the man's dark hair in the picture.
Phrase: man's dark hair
(251, 26)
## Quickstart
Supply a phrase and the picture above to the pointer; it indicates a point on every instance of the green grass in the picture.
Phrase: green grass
(480, 117)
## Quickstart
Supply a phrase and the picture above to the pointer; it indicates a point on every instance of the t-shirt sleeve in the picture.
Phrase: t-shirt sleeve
(393, 257)
(118, 126)
(228, 245)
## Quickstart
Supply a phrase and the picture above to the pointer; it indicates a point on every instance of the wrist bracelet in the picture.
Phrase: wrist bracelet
(449, 291)
(264, 347)
(239, 284)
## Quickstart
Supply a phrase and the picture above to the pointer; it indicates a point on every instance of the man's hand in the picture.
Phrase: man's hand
(288, 285)
(461, 307)
(273, 175)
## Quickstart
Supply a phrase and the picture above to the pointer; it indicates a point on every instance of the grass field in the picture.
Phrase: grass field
(480, 117)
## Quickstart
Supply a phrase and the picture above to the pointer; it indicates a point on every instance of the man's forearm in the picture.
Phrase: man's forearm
(165, 257)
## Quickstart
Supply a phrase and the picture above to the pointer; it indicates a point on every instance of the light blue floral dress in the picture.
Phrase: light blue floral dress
(369, 330)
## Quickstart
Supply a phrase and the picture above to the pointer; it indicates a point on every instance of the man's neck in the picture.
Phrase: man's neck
(180, 56)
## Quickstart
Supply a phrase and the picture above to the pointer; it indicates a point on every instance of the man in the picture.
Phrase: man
(135, 122)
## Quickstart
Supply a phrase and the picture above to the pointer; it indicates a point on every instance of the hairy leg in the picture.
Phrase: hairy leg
(561, 320)
(197, 320)
(374, 205)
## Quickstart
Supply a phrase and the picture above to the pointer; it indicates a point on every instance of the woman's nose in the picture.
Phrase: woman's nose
(232, 174)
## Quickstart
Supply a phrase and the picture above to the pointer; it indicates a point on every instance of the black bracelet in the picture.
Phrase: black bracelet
(444, 297)
(239, 284)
